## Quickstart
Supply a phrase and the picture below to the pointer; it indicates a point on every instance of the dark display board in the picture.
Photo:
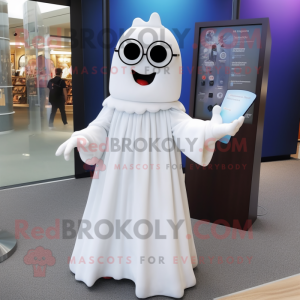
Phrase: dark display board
(230, 55)
(227, 60)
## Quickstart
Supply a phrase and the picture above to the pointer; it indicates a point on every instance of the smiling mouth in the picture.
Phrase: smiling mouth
(143, 79)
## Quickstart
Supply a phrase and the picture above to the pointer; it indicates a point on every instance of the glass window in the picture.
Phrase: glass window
(35, 43)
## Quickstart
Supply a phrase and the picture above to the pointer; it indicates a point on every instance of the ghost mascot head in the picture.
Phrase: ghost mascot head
(146, 66)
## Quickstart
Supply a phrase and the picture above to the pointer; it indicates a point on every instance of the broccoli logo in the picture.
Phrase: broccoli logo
(94, 171)
(39, 258)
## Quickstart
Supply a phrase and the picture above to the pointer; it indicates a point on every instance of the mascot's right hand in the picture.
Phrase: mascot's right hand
(67, 147)
(220, 129)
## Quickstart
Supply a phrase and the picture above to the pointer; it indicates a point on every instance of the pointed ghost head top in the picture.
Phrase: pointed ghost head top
(154, 21)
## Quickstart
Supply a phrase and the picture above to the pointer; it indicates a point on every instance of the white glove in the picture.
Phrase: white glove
(67, 147)
(219, 129)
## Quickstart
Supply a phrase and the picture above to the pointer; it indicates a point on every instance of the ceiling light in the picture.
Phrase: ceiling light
(57, 46)
(59, 52)
(60, 39)
(18, 13)
(46, 7)
(14, 44)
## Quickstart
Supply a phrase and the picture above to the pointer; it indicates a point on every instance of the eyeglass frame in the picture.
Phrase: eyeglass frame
(176, 55)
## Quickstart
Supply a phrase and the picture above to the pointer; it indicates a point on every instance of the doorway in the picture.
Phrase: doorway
(38, 42)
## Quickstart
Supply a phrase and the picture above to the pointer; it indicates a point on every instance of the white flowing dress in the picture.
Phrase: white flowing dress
(144, 190)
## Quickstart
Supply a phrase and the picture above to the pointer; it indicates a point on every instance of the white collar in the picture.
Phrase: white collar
(131, 107)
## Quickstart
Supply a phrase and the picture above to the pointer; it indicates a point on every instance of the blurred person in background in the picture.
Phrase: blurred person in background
(57, 97)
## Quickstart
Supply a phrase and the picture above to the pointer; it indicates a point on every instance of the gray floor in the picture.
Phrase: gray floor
(27, 156)
(274, 248)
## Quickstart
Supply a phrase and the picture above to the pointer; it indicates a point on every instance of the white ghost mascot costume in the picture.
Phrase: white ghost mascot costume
(137, 208)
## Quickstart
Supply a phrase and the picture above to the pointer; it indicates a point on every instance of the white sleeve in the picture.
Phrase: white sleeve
(96, 133)
(193, 137)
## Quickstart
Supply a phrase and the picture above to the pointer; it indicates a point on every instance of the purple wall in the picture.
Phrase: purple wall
(283, 100)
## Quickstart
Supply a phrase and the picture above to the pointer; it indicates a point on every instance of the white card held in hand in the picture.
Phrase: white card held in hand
(235, 104)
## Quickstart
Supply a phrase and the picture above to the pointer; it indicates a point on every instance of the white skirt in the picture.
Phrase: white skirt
(145, 192)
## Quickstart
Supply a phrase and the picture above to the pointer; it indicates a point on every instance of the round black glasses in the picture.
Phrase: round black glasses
(159, 54)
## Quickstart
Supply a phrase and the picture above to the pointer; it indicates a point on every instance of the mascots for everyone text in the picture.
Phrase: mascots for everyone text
(137, 206)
